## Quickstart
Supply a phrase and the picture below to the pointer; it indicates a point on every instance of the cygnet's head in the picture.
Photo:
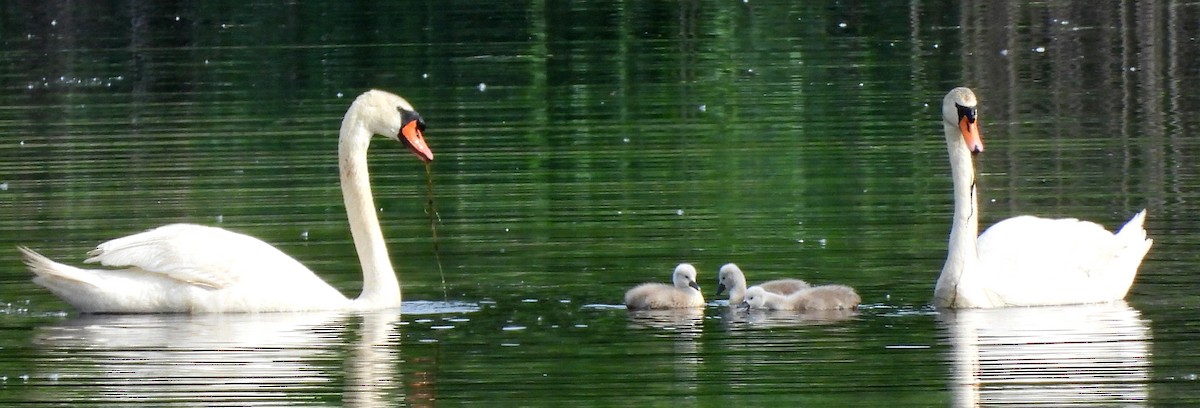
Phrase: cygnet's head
(727, 277)
(756, 298)
(685, 276)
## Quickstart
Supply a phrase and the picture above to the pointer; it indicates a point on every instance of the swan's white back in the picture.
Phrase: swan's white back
(1026, 260)
(1071, 261)
(184, 268)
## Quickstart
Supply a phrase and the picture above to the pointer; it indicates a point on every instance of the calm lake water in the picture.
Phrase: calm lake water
(583, 148)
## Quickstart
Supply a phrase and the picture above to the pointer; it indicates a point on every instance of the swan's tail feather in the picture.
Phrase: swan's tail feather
(47, 270)
(1133, 235)
(1133, 230)
(1134, 246)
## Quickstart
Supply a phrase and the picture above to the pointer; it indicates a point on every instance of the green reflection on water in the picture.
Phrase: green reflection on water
(584, 148)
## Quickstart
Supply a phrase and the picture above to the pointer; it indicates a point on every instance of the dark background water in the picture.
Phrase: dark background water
(583, 148)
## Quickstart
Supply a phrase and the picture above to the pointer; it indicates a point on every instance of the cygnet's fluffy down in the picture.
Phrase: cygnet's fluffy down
(684, 293)
(824, 297)
(731, 277)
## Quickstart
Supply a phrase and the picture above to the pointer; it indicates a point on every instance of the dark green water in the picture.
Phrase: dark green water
(584, 148)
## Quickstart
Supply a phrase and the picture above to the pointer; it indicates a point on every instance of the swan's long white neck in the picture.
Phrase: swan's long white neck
(380, 286)
(738, 290)
(963, 253)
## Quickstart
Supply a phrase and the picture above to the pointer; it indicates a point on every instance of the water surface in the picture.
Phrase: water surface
(582, 149)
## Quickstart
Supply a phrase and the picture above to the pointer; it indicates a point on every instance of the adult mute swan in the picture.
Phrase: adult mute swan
(183, 268)
(1025, 260)
(823, 297)
(731, 277)
(685, 292)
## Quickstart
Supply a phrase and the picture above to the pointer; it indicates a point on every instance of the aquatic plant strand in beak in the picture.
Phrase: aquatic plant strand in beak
(433, 219)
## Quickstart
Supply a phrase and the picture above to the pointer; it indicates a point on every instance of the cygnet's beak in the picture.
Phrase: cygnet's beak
(694, 285)
(720, 288)
(744, 305)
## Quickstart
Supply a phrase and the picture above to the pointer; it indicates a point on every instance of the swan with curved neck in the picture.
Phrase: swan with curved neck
(186, 268)
(731, 277)
(1025, 260)
(822, 297)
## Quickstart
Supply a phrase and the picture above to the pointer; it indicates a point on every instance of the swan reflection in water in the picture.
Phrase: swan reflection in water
(688, 321)
(675, 344)
(233, 359)
(762, 318)
(215, 359)
(1061, 355)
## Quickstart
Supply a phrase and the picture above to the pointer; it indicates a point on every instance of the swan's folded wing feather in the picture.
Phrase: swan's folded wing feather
(1032, 244)
(204, 256)
(1032, 259)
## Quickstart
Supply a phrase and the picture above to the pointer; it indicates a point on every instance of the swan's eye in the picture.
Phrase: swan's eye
(966, 112)
(407, 116)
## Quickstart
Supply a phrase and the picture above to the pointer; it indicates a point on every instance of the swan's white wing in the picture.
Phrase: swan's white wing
(1031, 259)
(1031, 243)
(203, 256)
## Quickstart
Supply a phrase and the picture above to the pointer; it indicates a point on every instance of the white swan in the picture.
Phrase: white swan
(731, 277)
(684, 293)
(823, 297)
(182, 268)
(1025, 260)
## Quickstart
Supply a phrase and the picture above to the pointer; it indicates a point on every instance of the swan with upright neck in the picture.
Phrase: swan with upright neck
(186, 268)
(1025, 260)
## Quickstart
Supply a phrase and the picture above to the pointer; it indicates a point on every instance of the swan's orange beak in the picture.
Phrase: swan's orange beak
(414, 139)
(970, 132)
